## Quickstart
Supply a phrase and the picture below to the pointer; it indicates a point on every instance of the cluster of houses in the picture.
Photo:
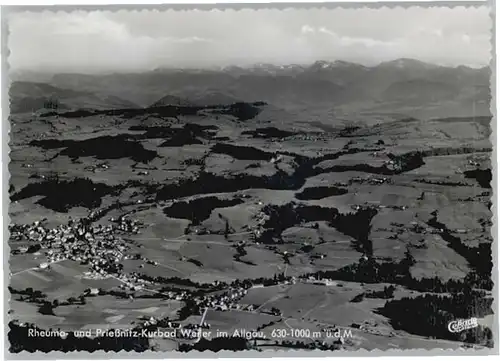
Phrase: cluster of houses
(370, 180)
(222, 301)
(375, 180)
(151, 321)
(97, 246)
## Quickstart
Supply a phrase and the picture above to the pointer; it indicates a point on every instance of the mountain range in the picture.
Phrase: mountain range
(402, 85)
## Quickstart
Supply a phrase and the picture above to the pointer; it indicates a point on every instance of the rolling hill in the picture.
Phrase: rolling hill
(31, 96)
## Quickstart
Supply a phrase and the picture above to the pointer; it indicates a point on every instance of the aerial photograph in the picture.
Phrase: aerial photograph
(304, 179)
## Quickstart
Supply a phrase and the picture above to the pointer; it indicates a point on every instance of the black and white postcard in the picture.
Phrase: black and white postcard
(279, 179)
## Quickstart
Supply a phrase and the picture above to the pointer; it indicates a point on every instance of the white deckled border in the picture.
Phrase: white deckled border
(260, 4)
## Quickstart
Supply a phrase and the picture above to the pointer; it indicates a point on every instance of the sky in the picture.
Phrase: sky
(122, 41)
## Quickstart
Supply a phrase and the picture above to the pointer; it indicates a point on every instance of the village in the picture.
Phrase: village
(102, 249)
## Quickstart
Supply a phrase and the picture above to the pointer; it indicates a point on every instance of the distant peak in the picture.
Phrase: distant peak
(170, 100)
(324, 64)
(403, 63)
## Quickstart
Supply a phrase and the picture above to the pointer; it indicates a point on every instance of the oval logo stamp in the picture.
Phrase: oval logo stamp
(462, 325)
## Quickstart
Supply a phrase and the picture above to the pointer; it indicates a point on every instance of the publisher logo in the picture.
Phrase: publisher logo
(462, 325)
